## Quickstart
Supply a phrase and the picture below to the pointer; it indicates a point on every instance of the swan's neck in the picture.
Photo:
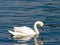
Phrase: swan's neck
(36, 29)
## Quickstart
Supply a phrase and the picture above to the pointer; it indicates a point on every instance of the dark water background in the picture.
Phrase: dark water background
(25, 13)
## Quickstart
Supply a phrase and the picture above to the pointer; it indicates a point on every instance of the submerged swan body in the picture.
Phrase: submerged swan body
(25, 31)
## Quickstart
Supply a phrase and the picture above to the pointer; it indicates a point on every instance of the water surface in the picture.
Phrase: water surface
(26, 13)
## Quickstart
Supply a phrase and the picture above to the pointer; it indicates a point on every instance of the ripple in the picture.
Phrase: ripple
(25, 13)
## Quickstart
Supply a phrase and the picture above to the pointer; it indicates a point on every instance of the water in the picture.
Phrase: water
(25, 13)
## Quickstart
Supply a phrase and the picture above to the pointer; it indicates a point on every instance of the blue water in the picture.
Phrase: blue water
(26, 13)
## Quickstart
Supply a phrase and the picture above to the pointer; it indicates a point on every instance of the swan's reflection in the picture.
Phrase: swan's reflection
(40, 42)
(20, 44)
(36, 42)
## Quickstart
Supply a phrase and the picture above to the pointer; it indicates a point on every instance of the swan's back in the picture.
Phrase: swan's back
(24, 29)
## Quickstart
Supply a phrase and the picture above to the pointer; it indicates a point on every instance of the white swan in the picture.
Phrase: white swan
(26, 31)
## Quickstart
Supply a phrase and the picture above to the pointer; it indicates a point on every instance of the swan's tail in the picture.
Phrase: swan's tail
(16, 33)
(13, 33)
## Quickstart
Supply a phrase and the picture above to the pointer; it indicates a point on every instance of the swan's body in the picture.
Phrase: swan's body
(26, 31)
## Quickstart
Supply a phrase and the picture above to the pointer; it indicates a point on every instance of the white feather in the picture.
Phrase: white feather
(17, 33)
(25, 30)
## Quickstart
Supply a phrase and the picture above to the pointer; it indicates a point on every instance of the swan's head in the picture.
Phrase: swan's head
(40, 23)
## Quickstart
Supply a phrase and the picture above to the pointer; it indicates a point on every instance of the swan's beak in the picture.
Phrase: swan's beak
(42, 27)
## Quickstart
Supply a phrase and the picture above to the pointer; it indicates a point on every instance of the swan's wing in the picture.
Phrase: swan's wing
(20, 36)
(17, 33)
(25, 30)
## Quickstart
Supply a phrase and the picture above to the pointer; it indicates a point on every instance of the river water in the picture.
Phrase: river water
(26, 13)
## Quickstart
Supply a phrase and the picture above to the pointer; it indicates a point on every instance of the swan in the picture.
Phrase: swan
(25, 31)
